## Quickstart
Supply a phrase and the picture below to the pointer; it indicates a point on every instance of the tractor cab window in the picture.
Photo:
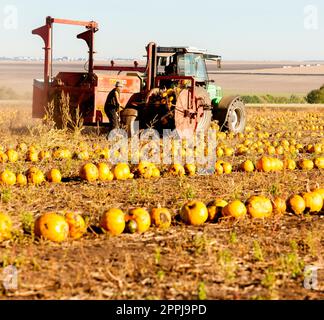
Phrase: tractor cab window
(193, 65)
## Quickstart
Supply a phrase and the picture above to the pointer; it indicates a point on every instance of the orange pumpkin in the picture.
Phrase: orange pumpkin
(320, 191)
(313, 201)
(44, 155)
(12, 155)
(264, 164)
(161, 218)
(235, 209)
(113, 221)
(156, 173)
(177, 170)
(141, 217)
(319, 163)
(104, 172)
(194, 213)
(62, 153)
(215, 208)
(54, 175)
(296, 204)
(52, 226)
(89, 172)
(306, 164)
(247, 166)
(5, 227)
(3, 157)
(227, 168)
(77, 225)
(259, 207)
(279, 205)
(190, 169)
(32, 156)
(35, 176)
(8, 178)
(122, 171)
(21, 180)
(290, 164)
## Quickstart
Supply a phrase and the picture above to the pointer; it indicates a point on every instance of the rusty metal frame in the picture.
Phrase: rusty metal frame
(45, 32)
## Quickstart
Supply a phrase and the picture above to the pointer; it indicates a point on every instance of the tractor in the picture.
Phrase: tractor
(172, 92)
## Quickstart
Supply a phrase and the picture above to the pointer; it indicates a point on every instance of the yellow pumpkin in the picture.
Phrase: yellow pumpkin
(290, 164)
(52, 226)
(8, 178)
(313, 201)
(306, 164)
(35, 176)
(22, 147)
(12, 155)
(194, 213)
(145, 169)
(156, 173)
(5, 227)
(259, 207)
(21, 180)
(297, 204)
(277, 165)
(320, 191)
(161, 218)
(264, 164)
(44, 155)
(235, 209)
(89, 172)
(215, 208)
(3, 157)
(122, 171)
(77, 225)
(279, 205)
(141, 217)
(82, 155)
(54, 175)
(62, 153)
(190, 169)
(227, 168)
(319, 163)
(32, 156)
(113, 221)
(247, 166)
(104, 172)
(177, 170)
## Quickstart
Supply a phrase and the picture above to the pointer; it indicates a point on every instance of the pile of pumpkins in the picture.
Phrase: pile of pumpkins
(58, 228)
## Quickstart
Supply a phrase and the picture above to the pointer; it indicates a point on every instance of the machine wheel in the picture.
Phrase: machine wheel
(128, 118)
(231, 114)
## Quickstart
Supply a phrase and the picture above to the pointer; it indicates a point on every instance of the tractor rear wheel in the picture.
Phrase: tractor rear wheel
(231, 114)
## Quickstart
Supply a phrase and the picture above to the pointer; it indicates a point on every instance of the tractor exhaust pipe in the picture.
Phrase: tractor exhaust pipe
(151, 65)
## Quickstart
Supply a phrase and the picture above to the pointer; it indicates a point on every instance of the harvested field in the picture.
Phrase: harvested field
(248, 259)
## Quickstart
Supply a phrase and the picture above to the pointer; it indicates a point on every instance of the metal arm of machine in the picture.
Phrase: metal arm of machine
(45, 32)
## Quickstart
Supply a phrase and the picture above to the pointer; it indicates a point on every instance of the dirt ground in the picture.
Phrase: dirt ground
(227, 260)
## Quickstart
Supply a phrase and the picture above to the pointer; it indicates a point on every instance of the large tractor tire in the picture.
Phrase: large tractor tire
(231, 114)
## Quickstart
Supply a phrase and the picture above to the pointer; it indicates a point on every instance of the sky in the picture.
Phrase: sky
(237, 30)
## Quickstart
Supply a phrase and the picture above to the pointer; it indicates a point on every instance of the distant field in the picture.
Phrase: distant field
(245, 78)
